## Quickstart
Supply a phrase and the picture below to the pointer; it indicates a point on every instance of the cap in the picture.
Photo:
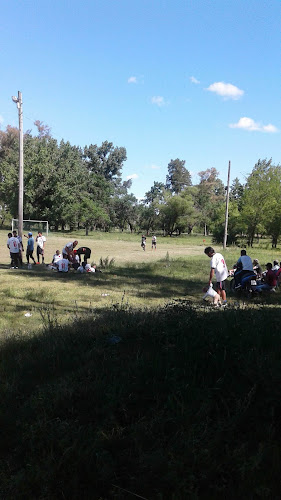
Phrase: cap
(29, 234)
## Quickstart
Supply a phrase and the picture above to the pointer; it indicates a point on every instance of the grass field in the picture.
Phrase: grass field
(177, 269)
(123, 385)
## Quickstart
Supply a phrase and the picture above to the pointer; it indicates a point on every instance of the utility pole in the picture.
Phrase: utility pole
(18, 101)
(226, 208)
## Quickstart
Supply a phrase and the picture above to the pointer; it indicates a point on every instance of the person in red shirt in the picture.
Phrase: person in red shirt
(270, 279)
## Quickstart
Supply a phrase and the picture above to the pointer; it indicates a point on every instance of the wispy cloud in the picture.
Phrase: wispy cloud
(158, 100)
(155, 167)
(226, 90)
(132, 79)
(133, 176)
(249, 124)
(194, 80)
(1, 120)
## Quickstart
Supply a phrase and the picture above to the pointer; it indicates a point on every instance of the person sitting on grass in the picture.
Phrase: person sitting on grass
(63, 265)
(270, 280)
(257, 268)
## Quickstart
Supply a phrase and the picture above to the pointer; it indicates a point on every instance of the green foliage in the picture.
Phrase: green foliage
(178, 177)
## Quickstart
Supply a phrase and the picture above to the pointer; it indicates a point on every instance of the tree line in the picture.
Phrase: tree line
(74, 187)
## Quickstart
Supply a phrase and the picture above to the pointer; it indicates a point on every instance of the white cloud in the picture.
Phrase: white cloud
(249, 124)
(133, 176)
(1, 119)
(158, 100)
(194, 80)
(226, 90)
(132, 79)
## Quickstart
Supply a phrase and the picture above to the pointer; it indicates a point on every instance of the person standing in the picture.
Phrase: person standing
(143, 242)
(219, 268)
(30, 248)
(153, 242)
(40, 240)
(13, 246)
(21, 249)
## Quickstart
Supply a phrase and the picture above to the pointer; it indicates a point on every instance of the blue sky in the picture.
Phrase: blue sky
(197, 80)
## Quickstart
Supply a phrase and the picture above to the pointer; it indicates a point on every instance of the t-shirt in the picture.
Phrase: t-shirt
(30, 244)
(56, 258)
(63, 265)
(13, 244)
(270, 278)
(246, 263)
(40, 241)
(219, 265)
(67, 248)
(153, 239)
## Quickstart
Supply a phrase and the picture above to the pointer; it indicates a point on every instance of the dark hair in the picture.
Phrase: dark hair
(209, 250)
(269, 265)
(243, 252)
(275, 262)
(10, 235)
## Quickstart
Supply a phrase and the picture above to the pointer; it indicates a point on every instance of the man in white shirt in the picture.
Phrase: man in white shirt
(40, 246)
(63, 265)
(243, 266)
(13, 245)
(218, 267)
(67, 251)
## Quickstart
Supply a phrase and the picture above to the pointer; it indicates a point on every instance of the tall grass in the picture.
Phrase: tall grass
(185, 405)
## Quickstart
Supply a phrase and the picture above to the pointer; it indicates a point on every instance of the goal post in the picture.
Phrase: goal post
(32, 225)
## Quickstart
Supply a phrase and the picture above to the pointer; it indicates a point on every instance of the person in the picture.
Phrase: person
(243, 266)
(56, 257)
(219, 268)
(270, 280)
(276, 266)
(13, 246)
(21, 249)
(153, 242)
(257, 268)
(83, 251)
(143, 242)
(210, 292)
(29, 248)
(41, 240)
(67, 251)
(62, 265)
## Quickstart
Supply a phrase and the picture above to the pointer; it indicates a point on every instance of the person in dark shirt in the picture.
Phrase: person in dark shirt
(83, 251)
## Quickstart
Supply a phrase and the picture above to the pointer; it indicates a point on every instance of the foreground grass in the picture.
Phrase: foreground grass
(175, 403)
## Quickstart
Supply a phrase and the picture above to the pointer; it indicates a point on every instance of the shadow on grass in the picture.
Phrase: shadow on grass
(168, 403)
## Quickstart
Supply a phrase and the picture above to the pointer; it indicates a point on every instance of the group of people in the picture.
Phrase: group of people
(61, 260)
(266, 280)
(153, 242)
(70, 257)
(16, 248)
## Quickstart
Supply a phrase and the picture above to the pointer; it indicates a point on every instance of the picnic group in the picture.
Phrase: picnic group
(68, 258)
(245, 270)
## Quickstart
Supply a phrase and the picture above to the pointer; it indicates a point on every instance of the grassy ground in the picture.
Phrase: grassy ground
(123, 385)
(177, 269)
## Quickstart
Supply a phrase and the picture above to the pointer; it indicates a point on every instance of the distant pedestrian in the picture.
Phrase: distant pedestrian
(153, 242)
(13, 246)
(218, 267)
(30, 248)
(41, 240)
(143, 242)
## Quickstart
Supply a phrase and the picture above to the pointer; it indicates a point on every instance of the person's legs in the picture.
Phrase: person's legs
(38, 254)
(220, 288)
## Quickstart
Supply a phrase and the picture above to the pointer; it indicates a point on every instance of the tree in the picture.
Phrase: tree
(178, 176)
(210, 194)
(175, 214)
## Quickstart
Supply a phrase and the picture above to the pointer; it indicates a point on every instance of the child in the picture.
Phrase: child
(210, 292)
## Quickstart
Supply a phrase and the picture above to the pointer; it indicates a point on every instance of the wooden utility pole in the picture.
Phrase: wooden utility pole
(18, 101)
(226, 207)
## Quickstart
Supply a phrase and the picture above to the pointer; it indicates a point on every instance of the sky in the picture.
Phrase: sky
(197, 80)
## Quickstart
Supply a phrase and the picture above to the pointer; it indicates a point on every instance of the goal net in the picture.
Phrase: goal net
(32, 225)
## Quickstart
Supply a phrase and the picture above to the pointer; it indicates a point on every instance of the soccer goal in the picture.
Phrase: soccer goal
(32, 226)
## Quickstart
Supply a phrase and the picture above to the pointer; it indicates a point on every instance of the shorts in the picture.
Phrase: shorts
(40, 251)
(220, 285)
